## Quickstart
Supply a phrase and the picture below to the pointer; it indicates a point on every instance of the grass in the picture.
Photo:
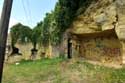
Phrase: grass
(60, 70)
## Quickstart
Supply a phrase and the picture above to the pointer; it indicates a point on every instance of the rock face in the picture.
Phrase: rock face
(102, 15)
(120, 5)
(120, 29)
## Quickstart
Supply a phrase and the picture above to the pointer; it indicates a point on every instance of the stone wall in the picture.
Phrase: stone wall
(107, 50)
(25, 49)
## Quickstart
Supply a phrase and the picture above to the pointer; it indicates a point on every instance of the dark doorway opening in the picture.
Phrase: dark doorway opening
(69, 48)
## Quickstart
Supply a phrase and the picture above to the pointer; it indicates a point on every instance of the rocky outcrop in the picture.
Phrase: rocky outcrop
(102, 15)
(120, 29)
(120, 5)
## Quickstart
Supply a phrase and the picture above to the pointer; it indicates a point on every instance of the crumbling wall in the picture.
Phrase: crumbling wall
(25, 49)
(102, 49)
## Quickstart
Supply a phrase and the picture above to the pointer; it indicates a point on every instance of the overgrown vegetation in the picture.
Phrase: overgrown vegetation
(20, 33)
(55, 23)
(36, 35)
(61, 70)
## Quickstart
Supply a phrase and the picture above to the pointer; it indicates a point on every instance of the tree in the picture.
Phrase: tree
(20, 33)
(36, 35)
(46, 30)
(15, 33)
(25, 34)
(62, 17)
(57, 22)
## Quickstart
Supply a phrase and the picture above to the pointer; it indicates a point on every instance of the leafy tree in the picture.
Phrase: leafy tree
(15, 33)
(63, 15)
(20, 33)
(36, 35)
(46, 30)
(25, 34)
(61, 18)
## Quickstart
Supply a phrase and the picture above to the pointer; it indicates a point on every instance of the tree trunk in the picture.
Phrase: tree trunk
(34, 45)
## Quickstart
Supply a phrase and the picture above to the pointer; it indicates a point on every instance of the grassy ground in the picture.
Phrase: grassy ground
(61, 71)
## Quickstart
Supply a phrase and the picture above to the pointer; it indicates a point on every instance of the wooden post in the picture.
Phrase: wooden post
(4, 23)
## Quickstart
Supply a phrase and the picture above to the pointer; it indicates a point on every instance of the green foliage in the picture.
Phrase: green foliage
(14, 32)
(83, 5)
(20, 33)
(59, 20)
(36, 34)
(24, 34)
(51, 30)
(56, 22)
(64, 14)
(46, 30)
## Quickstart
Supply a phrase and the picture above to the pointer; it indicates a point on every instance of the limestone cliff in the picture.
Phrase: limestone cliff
(101, 15)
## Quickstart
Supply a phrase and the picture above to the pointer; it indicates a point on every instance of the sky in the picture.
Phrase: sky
(29, 12)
